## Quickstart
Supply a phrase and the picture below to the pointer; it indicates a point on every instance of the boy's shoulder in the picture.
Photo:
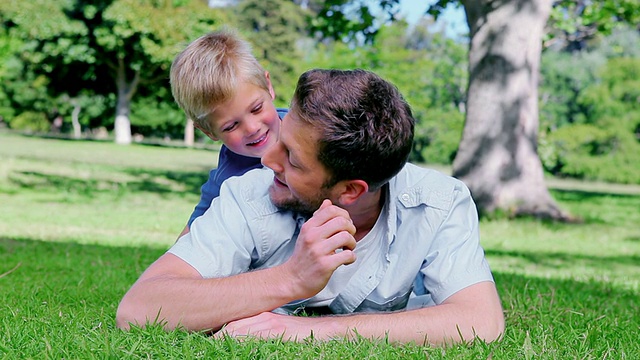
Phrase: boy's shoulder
(232, 164)
(282, 112)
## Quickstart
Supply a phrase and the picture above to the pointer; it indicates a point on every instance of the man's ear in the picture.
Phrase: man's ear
(271, 91)
(351, 190)
(206, 132)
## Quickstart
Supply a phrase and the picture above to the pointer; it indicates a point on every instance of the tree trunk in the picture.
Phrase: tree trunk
(497, 157)
(75, 122)
(189, 133)
(126, 91)
(122, 126)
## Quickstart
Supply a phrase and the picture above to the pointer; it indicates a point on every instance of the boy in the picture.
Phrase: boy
(225, 91)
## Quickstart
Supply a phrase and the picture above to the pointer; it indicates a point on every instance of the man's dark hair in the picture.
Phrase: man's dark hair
(366, 127)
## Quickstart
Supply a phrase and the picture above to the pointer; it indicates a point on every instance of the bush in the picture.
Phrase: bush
(437, 136)
(31, 121)
(157, 118)
(591, 153)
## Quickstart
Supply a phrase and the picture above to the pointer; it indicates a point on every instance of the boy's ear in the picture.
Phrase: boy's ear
(271, 91)
(206, 132)
(351, 190)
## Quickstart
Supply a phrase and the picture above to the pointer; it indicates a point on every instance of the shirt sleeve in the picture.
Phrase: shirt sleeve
(219, 243)
(456, 260)
(229, 164)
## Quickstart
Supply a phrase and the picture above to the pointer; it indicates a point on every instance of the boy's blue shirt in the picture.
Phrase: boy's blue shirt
(229, 164)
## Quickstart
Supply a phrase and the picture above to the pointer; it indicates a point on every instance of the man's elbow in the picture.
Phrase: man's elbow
(123, 318)
(492, 327)
(127, 314)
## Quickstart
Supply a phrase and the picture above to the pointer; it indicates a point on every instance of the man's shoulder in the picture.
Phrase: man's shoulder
(257, 180)
(251, 190)
(414, 174)
(416, 185)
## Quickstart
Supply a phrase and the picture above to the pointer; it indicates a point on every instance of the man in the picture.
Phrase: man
(339, 223)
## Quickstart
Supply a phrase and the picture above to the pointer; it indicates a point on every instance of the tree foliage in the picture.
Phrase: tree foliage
(604, 144)
(274, 27)
(108, 48)
(573, 23)
(350, 20)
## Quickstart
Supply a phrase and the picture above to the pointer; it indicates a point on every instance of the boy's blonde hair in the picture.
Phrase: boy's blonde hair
(208, 72)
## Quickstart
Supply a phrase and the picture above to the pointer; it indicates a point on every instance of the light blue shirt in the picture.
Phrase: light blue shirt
(430, 250)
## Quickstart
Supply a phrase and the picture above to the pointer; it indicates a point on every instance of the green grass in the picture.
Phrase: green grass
(80, 220)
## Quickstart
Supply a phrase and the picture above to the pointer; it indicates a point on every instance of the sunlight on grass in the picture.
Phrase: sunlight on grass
(91, 192)
(604, 248)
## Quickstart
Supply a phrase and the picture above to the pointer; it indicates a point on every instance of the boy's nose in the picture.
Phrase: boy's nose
(251, 127)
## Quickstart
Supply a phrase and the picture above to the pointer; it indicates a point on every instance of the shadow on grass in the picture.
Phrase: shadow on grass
(68, 266)
(582, 195)
(153, 181)
(590, 207)
(152, 142)
(559, 260)
(191, 180)
(68, 271)
(574, 314)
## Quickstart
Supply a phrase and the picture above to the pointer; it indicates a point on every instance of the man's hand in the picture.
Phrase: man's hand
(270, 325)
(266, 325)
(315, 256)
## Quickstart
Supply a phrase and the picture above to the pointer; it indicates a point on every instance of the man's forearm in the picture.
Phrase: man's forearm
(441, 325)
(184, 299)
(472, 312)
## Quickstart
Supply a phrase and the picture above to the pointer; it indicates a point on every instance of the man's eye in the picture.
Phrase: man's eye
(291, 162)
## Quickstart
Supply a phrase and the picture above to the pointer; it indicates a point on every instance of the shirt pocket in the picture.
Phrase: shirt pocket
(395, 303)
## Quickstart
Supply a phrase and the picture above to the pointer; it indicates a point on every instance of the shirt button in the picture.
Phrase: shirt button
(405, 197)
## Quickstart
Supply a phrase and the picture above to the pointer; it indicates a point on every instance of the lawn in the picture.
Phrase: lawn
(80, 220)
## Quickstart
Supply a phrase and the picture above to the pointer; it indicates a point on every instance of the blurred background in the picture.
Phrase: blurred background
(70, 68)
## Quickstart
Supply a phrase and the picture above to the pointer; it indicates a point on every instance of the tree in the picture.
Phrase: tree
(497, 157)
(108, 46)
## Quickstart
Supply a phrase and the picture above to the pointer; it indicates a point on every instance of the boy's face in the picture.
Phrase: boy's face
(248, 124)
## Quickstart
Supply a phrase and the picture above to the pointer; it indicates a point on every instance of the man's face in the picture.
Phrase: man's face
(248, 124)
(299, 176)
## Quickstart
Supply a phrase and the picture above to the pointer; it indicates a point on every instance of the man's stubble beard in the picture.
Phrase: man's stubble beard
(297, 205)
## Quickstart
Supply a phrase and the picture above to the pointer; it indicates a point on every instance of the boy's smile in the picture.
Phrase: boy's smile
(260, 141)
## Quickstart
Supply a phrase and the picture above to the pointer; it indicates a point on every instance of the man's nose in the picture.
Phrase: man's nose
(271, 158)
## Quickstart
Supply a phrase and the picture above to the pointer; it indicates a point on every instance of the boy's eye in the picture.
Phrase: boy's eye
(257, 108)
(230, 127)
